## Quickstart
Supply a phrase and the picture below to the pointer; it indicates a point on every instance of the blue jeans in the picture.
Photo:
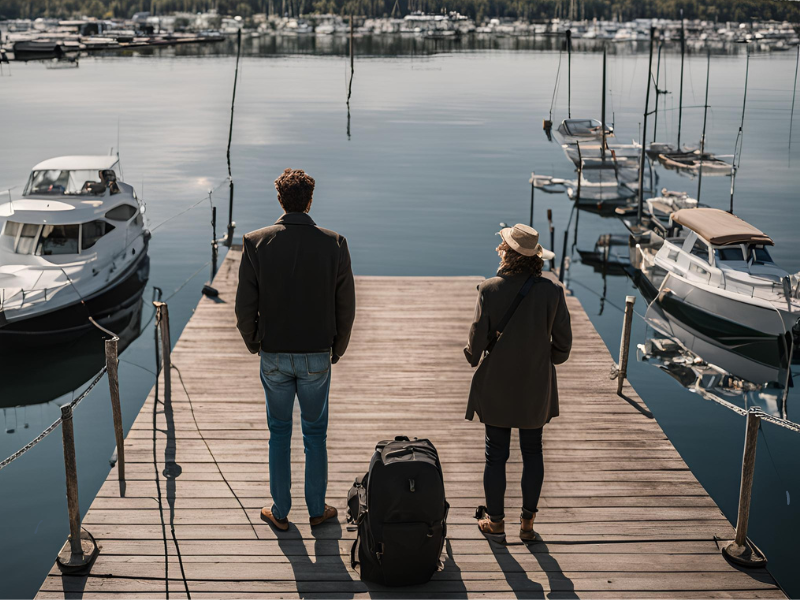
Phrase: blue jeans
(308, 376)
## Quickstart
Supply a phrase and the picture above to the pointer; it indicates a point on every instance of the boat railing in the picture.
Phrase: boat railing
(40, 295)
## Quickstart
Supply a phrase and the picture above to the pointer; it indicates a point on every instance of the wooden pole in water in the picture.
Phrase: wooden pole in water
(552, 237)
(569, 73)
(533, 188)
(112, 368)
(603, 110)
(625, 342)
(680, 98)
(794, 93)
(703, 137)
(644, 129)
(737, 151)
(231, 224)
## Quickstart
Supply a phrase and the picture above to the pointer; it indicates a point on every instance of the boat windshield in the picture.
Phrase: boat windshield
(81, 182)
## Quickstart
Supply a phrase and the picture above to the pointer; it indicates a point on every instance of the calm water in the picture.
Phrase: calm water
(440, 152)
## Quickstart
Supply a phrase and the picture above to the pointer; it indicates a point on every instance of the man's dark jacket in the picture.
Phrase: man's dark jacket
(296, 291)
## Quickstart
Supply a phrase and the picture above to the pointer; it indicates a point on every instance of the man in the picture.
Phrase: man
(295, 306)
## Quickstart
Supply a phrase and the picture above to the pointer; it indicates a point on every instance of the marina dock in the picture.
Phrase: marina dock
(621, 515)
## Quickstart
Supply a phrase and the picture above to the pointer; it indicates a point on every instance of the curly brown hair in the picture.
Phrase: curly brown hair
(295, 190)
(514, 263)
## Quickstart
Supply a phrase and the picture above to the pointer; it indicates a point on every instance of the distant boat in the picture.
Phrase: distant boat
(572, 131)
(695, 162)
(73, 245)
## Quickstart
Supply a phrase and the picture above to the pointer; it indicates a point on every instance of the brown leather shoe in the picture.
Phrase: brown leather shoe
(268, 517)
(526, 532)
(330, 513)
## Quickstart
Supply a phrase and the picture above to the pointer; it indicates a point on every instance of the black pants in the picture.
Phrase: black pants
(498, 445)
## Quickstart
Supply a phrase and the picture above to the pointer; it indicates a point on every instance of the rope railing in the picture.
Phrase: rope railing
(72, 405)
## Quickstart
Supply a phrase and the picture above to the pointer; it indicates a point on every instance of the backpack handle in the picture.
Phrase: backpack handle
(401, 438)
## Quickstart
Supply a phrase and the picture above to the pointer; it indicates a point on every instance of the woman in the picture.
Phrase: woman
(515, 384)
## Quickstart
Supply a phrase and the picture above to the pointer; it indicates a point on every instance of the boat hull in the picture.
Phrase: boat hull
(72, 320)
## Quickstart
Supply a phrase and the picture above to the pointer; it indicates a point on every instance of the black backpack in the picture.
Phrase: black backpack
(400, 511)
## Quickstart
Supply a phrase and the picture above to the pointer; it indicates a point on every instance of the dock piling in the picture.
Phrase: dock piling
(552, 237)
(625, 343)
(741, 551)
(112, 368)
(79, 552)
(162, 320)
(563, 257)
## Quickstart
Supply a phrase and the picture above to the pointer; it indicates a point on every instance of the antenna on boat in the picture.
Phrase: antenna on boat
(231, 224)
(737, 149)
(603, 110)
(121, 174)
(680, 99)
(705, 118)
(644, 129)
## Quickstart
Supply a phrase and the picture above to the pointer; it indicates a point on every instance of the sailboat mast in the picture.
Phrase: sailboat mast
(680, 98)
(603, 113)
(737, 151)
(658, 92)
(644, 129)
(703, 137)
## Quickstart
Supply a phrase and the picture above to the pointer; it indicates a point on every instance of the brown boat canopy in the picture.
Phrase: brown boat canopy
(720, 228)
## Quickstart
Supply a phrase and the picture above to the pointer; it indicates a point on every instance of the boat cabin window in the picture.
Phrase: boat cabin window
(123, 212)
(700, 250)
(758, 254)
(59, 239)
(79, 182)
(51, 240)
(94, 231)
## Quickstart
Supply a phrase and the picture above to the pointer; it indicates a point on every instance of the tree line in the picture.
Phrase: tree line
(714, 10)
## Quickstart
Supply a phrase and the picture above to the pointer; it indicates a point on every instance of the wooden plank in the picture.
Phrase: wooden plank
(620, 516)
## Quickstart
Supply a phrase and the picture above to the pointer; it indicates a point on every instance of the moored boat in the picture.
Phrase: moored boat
(74, 245)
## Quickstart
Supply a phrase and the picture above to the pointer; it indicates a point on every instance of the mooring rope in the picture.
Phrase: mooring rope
(73, 404)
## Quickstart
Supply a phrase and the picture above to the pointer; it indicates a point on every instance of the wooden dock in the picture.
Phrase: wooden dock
(621, 515)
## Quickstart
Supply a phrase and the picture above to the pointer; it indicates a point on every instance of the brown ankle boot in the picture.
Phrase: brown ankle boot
(494, 531)
(526, 532)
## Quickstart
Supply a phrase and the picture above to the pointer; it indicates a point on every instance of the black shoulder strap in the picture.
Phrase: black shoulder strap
(526, 287)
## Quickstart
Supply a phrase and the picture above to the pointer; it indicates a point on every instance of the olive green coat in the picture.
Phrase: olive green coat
(515, 385)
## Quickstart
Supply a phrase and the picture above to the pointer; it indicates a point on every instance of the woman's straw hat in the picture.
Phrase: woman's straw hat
(525, 240)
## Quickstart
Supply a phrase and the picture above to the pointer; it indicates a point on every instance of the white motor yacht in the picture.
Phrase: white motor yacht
(73, 245)
(721, 284)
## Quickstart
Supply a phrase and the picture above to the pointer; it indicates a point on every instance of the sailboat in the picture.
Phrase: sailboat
(692, 161)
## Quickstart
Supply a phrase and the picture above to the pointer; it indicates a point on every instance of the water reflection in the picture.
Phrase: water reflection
(37, 369)
(707, 379)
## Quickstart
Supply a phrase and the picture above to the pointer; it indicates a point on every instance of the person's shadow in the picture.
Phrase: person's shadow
(328, 568)
(519, 579)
